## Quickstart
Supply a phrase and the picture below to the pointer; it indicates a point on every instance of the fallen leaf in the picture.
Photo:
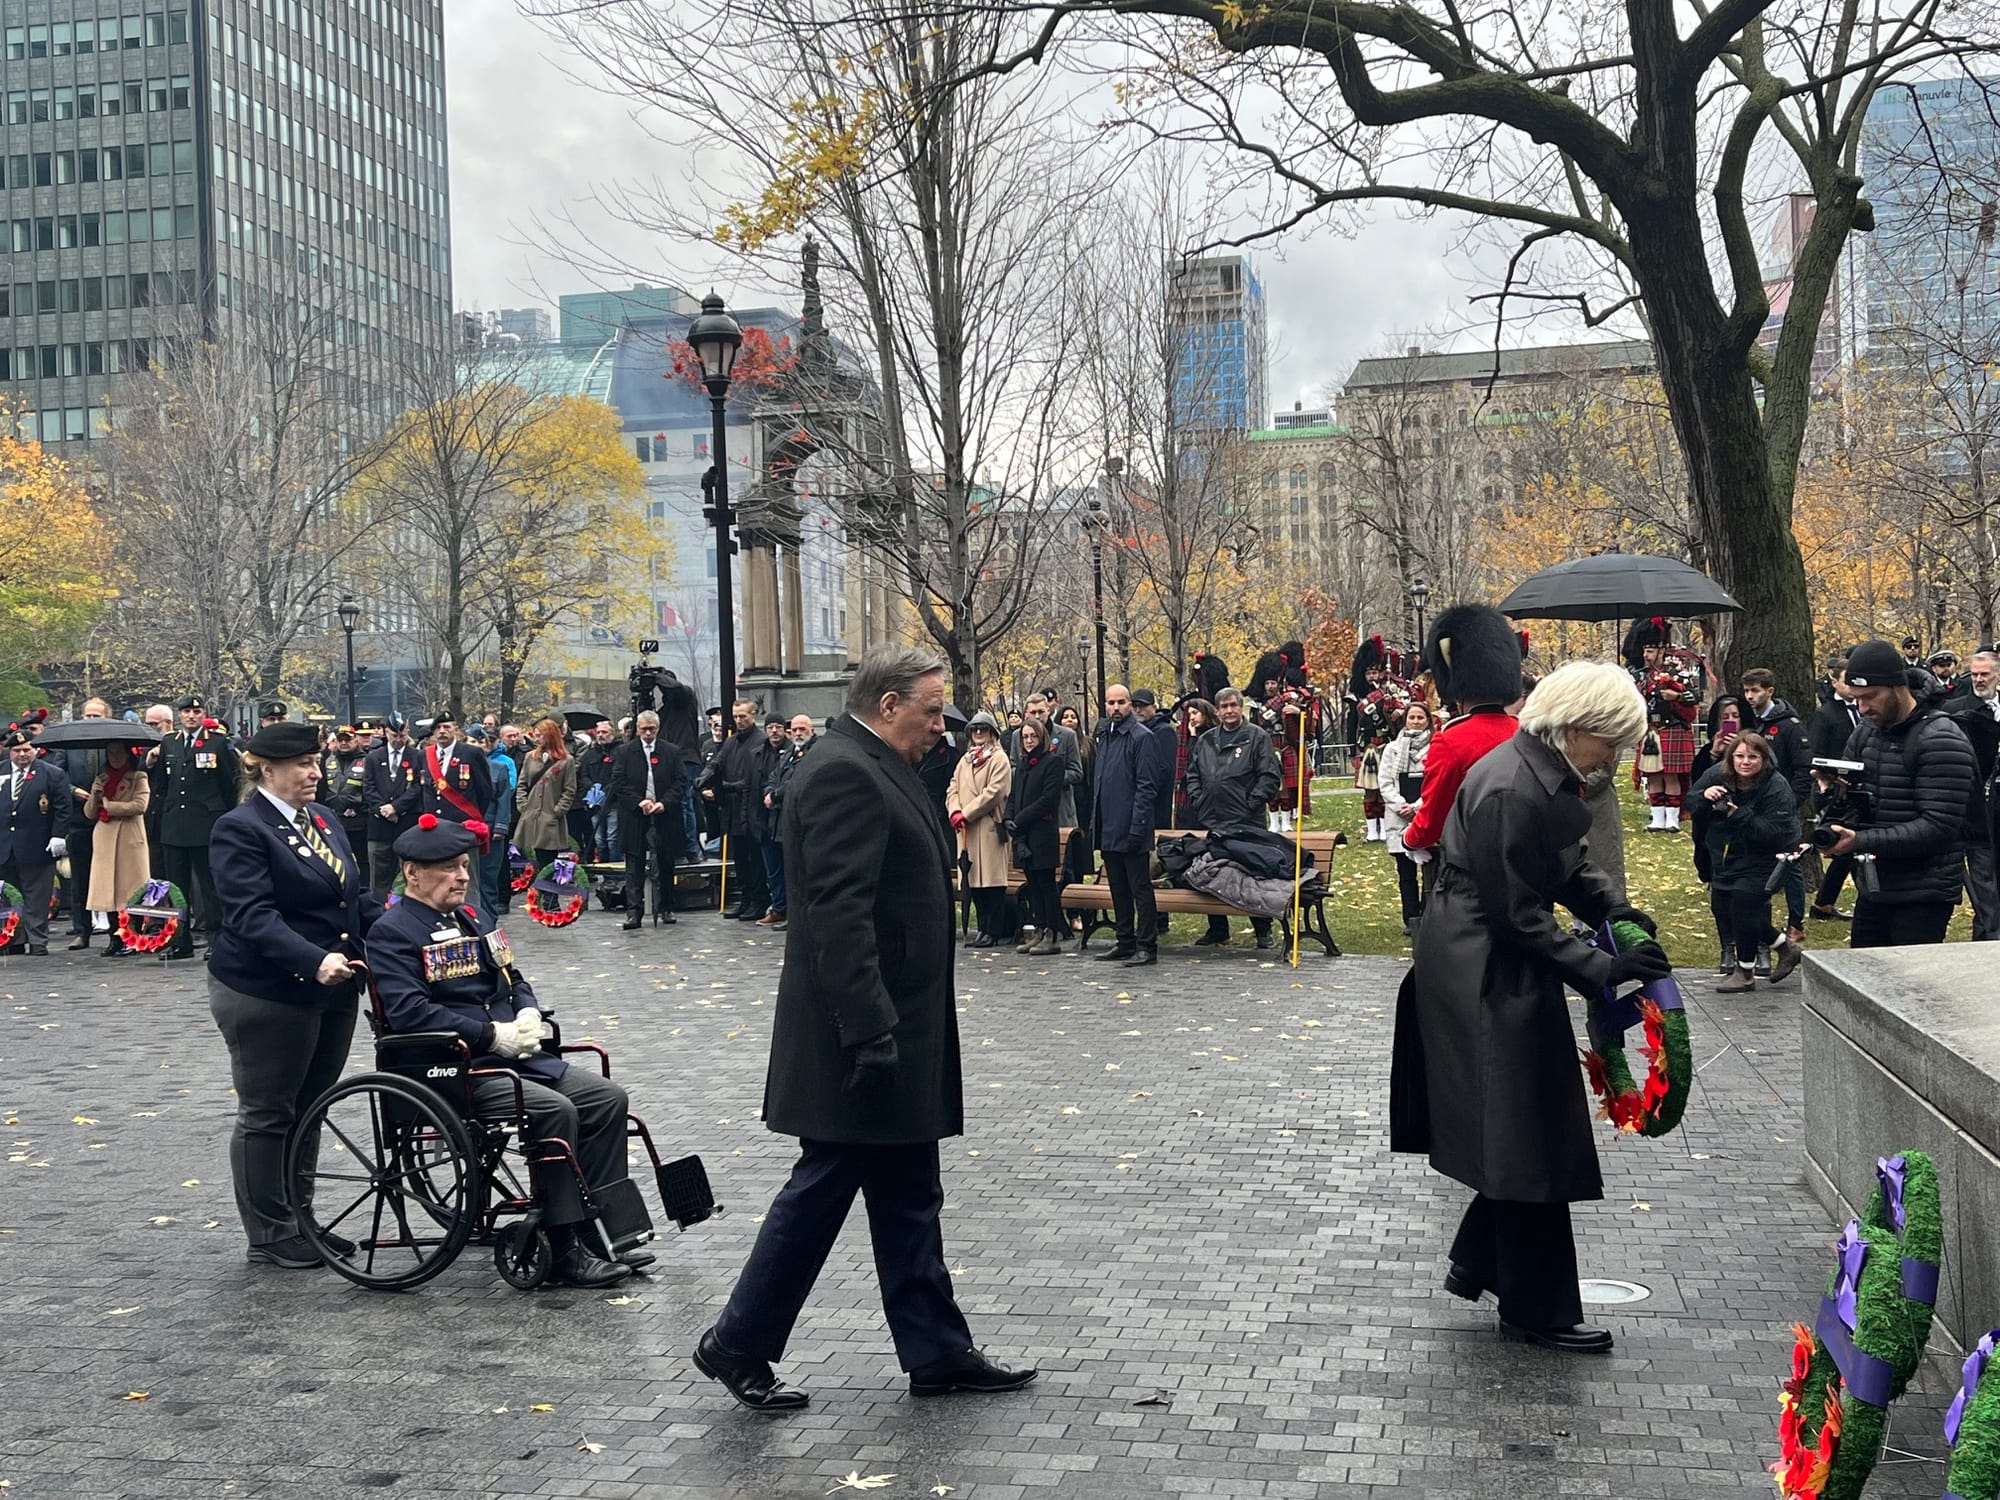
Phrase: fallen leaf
(585, 1445)
(498, 1409)
(1644, 1208)
(81, 1120)
(621, 1301)
(1160, 1397)
(192, 1182)
(855, 1481)
(542, 1406)
(941, 1488)
(137, 1396)
(119, 1312)
(164, 1219)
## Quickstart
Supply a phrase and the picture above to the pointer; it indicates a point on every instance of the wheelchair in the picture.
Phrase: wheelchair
(400, 1174)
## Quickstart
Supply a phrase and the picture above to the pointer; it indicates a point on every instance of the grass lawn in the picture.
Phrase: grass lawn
(1366, 917)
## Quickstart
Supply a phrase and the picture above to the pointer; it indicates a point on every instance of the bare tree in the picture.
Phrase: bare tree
(1619, 146)
(223, 469)
(948, 220)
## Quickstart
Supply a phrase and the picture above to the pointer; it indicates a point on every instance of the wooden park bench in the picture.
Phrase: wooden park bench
(1093, 898)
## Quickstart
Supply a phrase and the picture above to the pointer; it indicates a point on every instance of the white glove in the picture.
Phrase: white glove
(528, 1021)
(511, 1042)
(58, 848)
(1417, 856)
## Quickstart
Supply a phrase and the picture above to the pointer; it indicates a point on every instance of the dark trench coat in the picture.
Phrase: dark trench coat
(1485, 1075)
(868, 951)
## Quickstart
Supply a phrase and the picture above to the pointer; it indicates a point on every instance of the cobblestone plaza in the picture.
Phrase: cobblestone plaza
(1174, 1195)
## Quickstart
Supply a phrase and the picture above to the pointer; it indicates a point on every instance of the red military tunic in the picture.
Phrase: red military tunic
(1454, 751)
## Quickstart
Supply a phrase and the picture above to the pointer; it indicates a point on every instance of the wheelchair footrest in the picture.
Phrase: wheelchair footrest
(684, 1191)
(621, 1209)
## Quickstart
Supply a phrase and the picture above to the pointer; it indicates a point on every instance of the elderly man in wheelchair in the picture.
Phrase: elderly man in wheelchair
(437, 968)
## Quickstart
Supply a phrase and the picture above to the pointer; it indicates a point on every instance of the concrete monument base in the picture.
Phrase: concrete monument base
(1900, 1051)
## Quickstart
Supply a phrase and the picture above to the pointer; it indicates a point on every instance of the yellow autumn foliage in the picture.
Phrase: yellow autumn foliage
(56, 564)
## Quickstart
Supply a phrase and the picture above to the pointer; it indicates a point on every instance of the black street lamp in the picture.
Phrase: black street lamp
(1097, 516)
(1420, 595)
(715, 337)
(350, 616)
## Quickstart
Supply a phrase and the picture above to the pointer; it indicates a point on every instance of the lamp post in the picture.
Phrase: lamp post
(350, 616)
(715, 337)
(1097, 516)
(1420, 595)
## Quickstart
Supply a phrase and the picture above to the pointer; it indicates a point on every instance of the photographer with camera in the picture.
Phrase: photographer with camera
(1919, 775)
(1745, 816)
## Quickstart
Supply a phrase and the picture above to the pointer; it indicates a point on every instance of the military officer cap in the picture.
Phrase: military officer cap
(189, 700)
(273, 709)
(434, 841)
(284, 741)
(396, 723)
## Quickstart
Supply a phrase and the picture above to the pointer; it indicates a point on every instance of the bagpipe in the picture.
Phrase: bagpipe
(1682, 671)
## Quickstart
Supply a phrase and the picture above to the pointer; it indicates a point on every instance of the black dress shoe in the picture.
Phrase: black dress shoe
(1458, 1281)
(638, 1257)
(293, 1253)
(80, 944)
(1144, 956)
(1116, 954)
(731, 913)
(38, 950)
(665, 919)
(631, 923)
(1579, 1338)
(1212, 940)
(970, 1371)
(576, 1266)
(749, 1379)
(984, 940)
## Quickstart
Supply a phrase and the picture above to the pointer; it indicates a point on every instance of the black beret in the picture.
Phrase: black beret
(15, 737)
(188, 700)
(434, 841)
(284, 741)
(443, 716)
(273, 709)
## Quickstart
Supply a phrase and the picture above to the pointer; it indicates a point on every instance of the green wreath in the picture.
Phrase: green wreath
(1873, 1324)
(1972, 1427)
(1656, 1106)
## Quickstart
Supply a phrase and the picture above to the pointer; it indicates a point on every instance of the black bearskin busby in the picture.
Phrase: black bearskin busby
(1370, 654)
(1474, 655)
(1648, 632)
(1211, 675)
(1286, 665)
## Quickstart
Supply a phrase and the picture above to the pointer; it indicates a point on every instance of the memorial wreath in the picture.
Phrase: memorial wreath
(559, 893)
(1655, 1106)
(1972, 1428)
(10, 913)
(151, 916)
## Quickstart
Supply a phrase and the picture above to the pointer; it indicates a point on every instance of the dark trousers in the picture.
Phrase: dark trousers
(1413, 882)
(581, 1107)
(282, 1056)
(989, 903)
(1837, 871)
(1743, 921)
(1983, 889)
(1905, 924)
(774, 874)
(1524, 1253)
(746, 861)
(900, 1185)
(187, 867)
(78, 884)
(35, 882)
(1044, 904)
(649, 842)
(1133, 914)
(382, 868)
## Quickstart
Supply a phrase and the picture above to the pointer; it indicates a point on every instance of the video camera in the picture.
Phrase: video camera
(1843, 802)
(648, 683)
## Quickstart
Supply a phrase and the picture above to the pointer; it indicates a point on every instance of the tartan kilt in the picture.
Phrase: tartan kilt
(1294, 792)
(1676, 749)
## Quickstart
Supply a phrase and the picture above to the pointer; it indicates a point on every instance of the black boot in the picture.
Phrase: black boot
(632, 919)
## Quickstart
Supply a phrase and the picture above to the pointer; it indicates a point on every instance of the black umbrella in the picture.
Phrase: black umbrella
(1617, 586)
(585, 719)
(96, 734)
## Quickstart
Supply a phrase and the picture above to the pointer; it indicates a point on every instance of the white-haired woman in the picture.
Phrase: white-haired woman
(1486, 1078)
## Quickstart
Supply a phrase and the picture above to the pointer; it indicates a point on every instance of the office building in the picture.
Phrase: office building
(1215, 311)
(1301, 416)
(170, 169)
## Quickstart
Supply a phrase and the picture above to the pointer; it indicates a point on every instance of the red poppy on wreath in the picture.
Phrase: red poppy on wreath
(152, 916)
(10, 913)
(559, 894)
(520, 870)
(1802, 1468)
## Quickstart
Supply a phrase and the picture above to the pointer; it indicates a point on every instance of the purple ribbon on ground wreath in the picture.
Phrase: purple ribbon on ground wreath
(565, 871)
(1869, 1377)
(1975, 1366)
(1890, 1172)
(1616, 1016)
(155, 893)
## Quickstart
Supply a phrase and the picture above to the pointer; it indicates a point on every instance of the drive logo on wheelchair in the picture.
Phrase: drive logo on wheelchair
(442, 1072)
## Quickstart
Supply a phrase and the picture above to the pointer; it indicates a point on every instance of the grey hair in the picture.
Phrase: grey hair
(889, 669)
(647, 716)
(1228, 695)
(1992, 656)
(1596, 697)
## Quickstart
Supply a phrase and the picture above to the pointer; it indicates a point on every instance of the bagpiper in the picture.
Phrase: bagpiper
(1670, 679)
(1292, 715)
(1379, 696)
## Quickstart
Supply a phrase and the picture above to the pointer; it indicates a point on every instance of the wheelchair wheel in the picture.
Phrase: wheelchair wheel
(523, 1256)
(388, 1171)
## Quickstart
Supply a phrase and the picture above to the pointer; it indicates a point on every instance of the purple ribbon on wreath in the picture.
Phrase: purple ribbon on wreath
(1920, 1278)
(1890, 1172)
(1870, 1377)
(564, 872)
(155, 893)
(1975, 1366)
(1614, 1016)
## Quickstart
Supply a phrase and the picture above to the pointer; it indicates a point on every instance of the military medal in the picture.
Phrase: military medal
(457, 959)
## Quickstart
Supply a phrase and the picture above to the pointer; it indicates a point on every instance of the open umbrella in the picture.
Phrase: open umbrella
(1617, 586)
(585, 719)
(96, 734)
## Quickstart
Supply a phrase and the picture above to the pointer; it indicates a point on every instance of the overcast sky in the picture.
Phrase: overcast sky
(528, 144)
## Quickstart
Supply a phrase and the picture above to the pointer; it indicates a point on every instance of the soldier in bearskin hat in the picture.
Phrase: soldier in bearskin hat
(1473, 656)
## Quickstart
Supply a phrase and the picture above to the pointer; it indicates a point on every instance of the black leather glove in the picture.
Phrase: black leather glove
(1646, 962)
(870, 1062)
(1633, 915)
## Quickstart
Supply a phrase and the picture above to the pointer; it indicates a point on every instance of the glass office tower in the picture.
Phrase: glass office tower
(170, 170)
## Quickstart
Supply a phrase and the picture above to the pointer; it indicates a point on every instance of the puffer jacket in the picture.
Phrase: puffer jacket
(1217, 877)
(1917, 832)
(1790, 744)
(1742, 846)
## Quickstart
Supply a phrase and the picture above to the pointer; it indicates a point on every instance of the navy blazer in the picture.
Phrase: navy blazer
(283, 909)
(44, 810)
(465, 1006)
(394, 778)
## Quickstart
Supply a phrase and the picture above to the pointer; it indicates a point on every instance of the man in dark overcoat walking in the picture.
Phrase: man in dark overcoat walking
(864, 1048)
(200, 779)
(1499, 1099)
